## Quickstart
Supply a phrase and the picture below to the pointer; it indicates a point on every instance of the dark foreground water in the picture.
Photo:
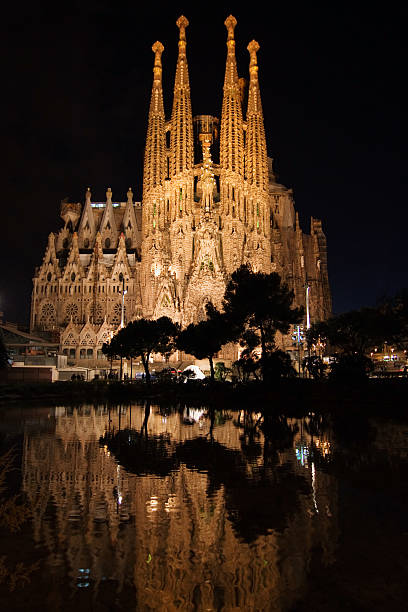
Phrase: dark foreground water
(143, 508)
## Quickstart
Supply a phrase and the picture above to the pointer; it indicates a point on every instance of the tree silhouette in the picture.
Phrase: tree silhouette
(357, 331)
(257, 305)
(142, 337)
(205, 339)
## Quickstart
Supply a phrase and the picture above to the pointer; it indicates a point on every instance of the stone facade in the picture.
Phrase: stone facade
(210, 203)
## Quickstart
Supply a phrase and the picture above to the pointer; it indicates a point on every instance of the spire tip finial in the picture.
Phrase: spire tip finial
(230, 24)
(253, 47)
(158, 48)
(182, 22)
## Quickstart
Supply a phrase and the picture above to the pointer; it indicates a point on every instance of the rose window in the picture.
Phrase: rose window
(96, 313)
(116, 315)
(71, 310)
(47, 316)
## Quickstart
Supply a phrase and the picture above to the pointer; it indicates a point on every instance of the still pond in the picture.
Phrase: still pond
(142, 507)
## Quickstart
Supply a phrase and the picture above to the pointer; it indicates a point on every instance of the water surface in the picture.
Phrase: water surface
(147, 508)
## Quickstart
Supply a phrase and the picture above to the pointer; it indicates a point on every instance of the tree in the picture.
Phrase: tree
(315, 366)
(221, 371)
(115, 348)
(246, 365)
(142, 337)
(349, 367)
(205, 339)
(257, 305)
(4, 353)
(357, 331)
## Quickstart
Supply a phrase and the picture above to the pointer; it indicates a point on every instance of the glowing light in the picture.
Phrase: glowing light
(171, 504)
(314, 487)
(152, 504)
(302, 453)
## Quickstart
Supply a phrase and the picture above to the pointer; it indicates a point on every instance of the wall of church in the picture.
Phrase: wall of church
(211, 202)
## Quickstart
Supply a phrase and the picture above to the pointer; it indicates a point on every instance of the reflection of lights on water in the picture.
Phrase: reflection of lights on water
(152, 504)
(171, 504)
(323, 446)
(120, 499)
(83, 578)
(302, 453)
(193, 414)
(314, 487)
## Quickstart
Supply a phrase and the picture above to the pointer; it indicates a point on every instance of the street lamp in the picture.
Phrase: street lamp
(307, 287)
(298, 338)
(124, 292)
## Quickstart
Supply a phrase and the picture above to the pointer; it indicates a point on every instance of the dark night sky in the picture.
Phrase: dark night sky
(76, 94)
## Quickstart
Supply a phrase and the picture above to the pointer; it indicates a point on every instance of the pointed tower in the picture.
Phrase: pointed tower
(255, 154)
(179, 196)
(232, 132)
(153, 247)
(155, 151)
(256, 170)
(87, 229)
(107, 227)
(182, 140)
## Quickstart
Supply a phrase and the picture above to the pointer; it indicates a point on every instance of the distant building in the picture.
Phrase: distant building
(210, 203)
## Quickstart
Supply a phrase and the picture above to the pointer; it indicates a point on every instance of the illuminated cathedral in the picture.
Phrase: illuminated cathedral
(210, 203)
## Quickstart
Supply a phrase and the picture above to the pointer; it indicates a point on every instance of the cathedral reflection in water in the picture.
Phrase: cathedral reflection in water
(179, 509)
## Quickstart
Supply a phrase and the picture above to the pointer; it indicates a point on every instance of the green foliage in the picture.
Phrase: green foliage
(256, 306)
(221, 371)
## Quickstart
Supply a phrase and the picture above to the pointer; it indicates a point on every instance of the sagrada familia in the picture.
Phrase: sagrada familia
(210, 203)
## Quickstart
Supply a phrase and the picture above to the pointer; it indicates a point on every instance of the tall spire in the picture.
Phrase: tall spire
(155, 152)
(182, 142)
(232, 135)
(256, 154)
